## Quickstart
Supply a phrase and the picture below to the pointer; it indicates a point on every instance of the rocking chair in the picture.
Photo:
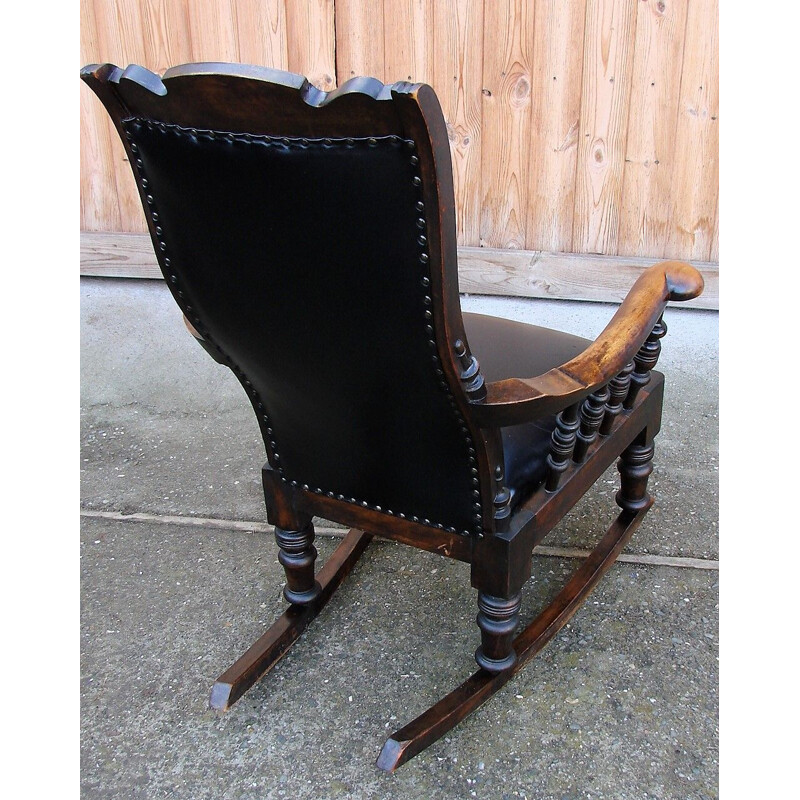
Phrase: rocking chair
(309, 240)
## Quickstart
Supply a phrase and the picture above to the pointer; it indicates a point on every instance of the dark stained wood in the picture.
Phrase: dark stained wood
(607, 398)
(593, 410)
(497, 619)
(644, 361)
(297, 556)
(405, 531)
(618, 391)
(502, 501)
(516, 400)
(635, 467)
(644, 420)
(470, 373)
(476, 690)
(562, 445)
(269, 649)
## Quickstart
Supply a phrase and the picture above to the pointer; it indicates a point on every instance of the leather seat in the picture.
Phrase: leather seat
(508, 349)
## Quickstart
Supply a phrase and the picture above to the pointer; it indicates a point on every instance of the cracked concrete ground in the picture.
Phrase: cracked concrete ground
(623, 703)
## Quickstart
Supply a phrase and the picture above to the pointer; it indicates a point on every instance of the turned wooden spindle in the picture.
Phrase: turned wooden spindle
(644, 361)
(562, 443)
(297, 556)
(618, 391)
(634, 465)
(502, 500)
(497, 619)
(593, 409)
(471, 378)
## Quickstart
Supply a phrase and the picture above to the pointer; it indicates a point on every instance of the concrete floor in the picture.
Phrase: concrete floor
(180, 576)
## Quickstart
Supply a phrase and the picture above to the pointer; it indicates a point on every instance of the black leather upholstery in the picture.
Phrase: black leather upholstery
(299, 263)
(508, 349)
(303, 263)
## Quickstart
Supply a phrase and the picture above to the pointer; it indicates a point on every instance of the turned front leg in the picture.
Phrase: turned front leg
(297, 556)
(635, 465)
(497, 619)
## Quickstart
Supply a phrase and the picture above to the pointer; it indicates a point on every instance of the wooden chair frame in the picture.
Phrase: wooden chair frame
(608, 398)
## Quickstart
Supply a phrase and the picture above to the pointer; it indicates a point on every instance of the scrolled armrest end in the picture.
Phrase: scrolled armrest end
(684, 282)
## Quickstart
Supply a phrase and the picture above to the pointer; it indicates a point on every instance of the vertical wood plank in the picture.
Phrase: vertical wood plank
(604, 115)
(119, 39)
(212, 31)
(261, 32)
(506, 113)
(98, 198)
(458, 76)
(359, 40)
(98, 187)
(310, 37)
(639, 177)
(556, 104)
(650, 158)
(408, 40)
(166, 39)
(714, 253)
(696, 175)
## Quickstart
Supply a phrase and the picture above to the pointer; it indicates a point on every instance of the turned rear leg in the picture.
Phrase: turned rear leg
(294, 533)
(297, 556)
(497, 619)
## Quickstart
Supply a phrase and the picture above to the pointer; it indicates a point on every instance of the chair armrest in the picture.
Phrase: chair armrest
(515, 400)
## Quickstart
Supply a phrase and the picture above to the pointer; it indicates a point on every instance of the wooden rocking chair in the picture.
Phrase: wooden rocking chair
(309, 240)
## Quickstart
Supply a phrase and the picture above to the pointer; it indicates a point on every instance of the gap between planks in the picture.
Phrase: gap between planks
(481, 270)
(262, 527)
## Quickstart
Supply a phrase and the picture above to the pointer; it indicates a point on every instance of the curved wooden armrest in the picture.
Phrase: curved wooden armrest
(191, 328)
(203, 343)
(516, 400)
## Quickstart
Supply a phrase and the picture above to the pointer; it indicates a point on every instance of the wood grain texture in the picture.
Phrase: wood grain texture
(166, 34)
(696, 175)
(118, 255)
(714, 252)
(481, 270)
(116, 33)
(359, 40)
(573, 127)
(214, 36)
(556, 103)
(261, 32)
(311, 48)
(408, 40)
(99, 206)
(608, 55)
(507, 117)
(458, 78)
(650, 151)
(565, 276)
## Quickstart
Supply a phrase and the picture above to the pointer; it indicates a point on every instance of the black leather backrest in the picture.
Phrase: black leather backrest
(304, 263)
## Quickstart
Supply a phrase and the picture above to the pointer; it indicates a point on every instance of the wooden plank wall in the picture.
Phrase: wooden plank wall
(576, 127)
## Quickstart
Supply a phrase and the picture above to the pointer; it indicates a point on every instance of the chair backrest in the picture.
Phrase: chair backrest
(310, 240)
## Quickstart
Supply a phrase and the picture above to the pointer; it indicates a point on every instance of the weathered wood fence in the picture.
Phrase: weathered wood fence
(577, 126)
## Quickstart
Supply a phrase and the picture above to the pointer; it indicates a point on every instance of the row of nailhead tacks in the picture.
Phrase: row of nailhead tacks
(131, 126)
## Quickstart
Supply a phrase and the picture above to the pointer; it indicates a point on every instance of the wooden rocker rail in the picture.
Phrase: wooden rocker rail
(430, 726)
(274, 644)
(476, 690)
